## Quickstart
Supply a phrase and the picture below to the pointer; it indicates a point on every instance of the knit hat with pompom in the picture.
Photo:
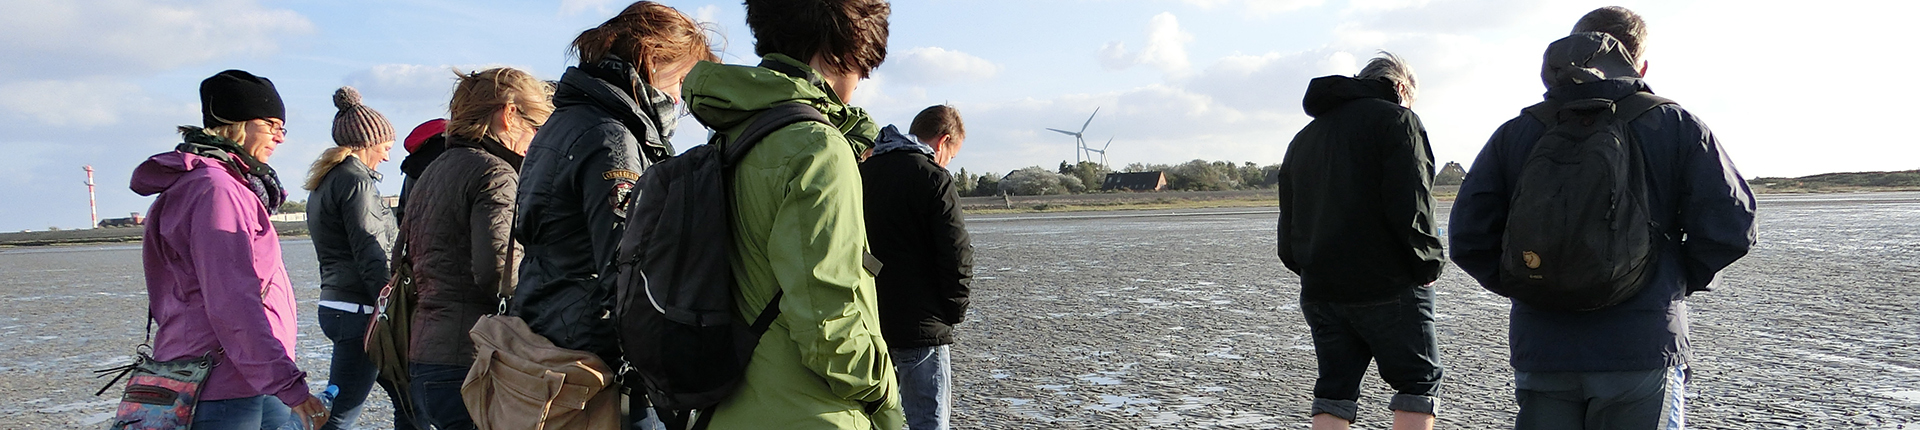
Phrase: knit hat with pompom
(358, 126)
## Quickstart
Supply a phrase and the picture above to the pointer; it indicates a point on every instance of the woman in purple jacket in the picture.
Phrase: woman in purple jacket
(215, 281)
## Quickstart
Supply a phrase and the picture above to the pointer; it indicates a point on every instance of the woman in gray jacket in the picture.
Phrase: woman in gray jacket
(353, 231)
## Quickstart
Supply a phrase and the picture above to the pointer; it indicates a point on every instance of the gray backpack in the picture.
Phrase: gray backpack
(1579, 234)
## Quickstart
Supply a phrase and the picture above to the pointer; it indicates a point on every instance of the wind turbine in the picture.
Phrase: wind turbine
(1102, 151)
(1079, 140)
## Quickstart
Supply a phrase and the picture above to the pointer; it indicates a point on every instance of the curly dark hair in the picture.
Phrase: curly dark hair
(850, 36)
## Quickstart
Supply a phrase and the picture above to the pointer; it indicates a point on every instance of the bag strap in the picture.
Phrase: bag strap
(1636, 104)
(506, 276)
(773, 119)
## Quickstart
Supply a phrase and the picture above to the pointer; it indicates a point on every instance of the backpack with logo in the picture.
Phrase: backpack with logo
(679, 333)
(1579, 232)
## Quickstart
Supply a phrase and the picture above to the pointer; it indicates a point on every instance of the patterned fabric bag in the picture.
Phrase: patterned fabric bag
(160, 395)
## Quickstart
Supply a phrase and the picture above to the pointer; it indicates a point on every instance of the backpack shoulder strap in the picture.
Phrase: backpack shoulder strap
(767, 122)
(1633, 105)
(1546, 111)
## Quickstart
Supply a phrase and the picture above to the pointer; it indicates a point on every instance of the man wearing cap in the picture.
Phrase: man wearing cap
(216, 285)
(353, 232)
(1623, 366)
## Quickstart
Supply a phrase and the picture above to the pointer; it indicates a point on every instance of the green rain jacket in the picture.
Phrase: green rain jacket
(798, 228)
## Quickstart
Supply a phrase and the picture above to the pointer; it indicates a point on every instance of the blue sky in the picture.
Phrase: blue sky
(103, 82)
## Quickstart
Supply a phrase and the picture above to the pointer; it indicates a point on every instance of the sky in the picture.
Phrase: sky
(1785, 86)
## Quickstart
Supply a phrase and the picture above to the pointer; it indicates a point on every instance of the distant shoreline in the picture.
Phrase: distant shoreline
(973, 205)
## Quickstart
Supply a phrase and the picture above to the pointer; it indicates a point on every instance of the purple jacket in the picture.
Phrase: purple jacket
(215, 280)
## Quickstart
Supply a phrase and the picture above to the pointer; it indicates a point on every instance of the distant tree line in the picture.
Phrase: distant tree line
(1087, 177)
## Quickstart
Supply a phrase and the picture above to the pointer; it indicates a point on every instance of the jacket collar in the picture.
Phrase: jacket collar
(610, 85)
(492, 147)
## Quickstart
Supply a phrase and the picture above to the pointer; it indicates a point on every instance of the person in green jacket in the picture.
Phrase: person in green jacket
(798, 219)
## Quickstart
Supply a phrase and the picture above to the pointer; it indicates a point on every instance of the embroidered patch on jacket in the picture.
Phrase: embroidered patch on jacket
(620, 174)
(621, 196)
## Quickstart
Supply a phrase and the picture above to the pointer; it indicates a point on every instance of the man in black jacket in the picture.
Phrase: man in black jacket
(1357, 225)
(915, 228)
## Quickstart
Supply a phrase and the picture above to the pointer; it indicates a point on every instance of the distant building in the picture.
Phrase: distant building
(1451, 174)
(1136, 181)
(288, 217)
(132, 221)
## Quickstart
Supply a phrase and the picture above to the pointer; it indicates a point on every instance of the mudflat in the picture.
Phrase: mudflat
(1185, 319)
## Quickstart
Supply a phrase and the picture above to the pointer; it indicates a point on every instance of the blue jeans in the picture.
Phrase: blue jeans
(1396, 332)
(246, 413)
(351, 371)
(436, 395)
(926, 385)
(1637, 399)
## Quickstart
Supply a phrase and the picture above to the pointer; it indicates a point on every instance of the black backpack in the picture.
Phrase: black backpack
(1579, 234)
(679, 333)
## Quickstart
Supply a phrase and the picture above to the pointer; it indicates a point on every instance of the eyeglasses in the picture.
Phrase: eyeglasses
(277, 127)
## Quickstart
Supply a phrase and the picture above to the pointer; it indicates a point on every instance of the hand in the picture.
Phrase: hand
(312, 412)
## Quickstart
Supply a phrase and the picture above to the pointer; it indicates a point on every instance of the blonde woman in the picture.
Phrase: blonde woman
(216, 286)
(457, 225)
(352, 231)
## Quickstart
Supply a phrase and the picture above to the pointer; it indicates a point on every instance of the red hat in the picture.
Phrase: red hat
(426, 130)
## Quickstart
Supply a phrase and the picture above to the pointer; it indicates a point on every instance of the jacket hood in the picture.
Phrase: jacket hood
(891, 139)
(583, 85)
(161, 171)
(724, 97)
(1328, 92)
(1610, 89)
(1586, 58)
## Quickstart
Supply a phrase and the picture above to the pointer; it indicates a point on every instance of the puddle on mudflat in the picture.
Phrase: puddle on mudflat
(1188, 403)
(1112, 403)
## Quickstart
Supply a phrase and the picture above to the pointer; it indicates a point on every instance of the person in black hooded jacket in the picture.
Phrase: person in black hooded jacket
(1357, 225)
(613, 116)
(916, 229)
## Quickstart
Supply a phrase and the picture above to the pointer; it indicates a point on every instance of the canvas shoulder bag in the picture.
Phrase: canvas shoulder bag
(520, 380)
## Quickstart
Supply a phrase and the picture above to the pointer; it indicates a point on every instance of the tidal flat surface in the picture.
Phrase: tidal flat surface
(1185, 319)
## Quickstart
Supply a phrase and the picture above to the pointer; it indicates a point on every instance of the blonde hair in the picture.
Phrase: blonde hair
(236, 132)
(328, 158)
(479, 94)
(1393, 69)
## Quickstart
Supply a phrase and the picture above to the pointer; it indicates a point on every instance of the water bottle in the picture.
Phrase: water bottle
(326, 401)
(326, 397)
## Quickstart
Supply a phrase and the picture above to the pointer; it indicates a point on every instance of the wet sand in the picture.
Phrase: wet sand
(1187, 320)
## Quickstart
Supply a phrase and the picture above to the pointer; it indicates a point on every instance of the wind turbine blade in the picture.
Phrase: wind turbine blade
(1083, 127)
(1103, 148)
(1069, 133)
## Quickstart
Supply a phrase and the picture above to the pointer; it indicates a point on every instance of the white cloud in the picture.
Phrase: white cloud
(80, 103)
(1259, 7)
(708, 14)
(66, 39)
(413, 82)
(936, 66)
(1166, 48)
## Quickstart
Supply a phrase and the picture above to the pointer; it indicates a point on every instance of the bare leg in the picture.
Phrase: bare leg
(1330, 422)
(1411, 421)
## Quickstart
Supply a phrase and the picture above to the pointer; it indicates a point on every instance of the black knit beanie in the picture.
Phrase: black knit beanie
(235, 96)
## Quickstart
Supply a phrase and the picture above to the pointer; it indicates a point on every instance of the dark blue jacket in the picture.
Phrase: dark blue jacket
(1694, 192)
(579, 173)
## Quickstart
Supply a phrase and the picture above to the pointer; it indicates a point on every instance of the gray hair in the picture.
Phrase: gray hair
(1624, 25)
(1393, 69)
